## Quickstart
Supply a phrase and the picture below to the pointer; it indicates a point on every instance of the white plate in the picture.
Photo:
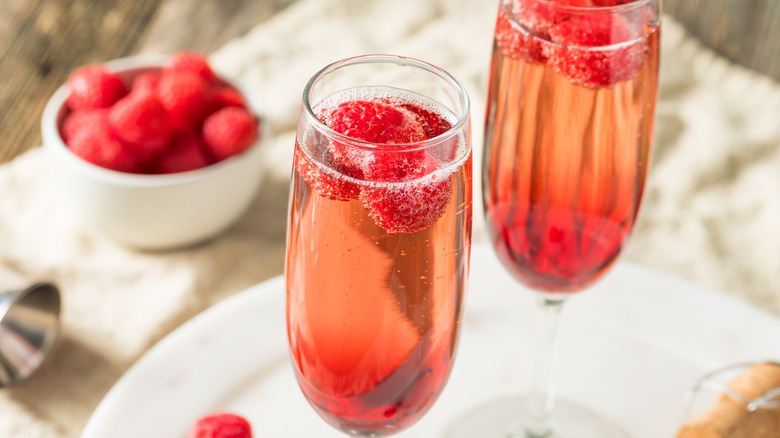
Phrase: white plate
(629, 348)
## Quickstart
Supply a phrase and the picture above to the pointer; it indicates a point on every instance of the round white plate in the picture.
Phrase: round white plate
(629, 348)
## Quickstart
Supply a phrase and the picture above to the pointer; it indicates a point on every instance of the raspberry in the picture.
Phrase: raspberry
(221, 425)
(329, 186)
(375, 122)
(190, 62)
(79, 120)
(413, 205)
(222, 97)
(184, 153)
(94, 87)
(228, 132)
(140, 121)
(96, 144)
(574, 56)
(146, 83)
(185, 95)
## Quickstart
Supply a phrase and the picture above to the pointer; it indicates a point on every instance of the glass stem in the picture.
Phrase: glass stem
(541, 399)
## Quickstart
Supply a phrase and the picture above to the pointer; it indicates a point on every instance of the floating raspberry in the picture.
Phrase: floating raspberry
(412, 206)
(146, 83)
(96, 144)
(328, 185)
(228, 132)
(140, 121)
(433, 123)
(79, 120)
(221, 425)
(375, 122)
(222, 97)
(185, 95)
(190, 62)
(94, 87)
(575, 56)
(185, 153)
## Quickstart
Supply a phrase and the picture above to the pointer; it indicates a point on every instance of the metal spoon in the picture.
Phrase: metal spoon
(29, 322)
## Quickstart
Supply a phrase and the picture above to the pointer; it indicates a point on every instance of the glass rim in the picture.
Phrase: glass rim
(458, 126)
(597, 9)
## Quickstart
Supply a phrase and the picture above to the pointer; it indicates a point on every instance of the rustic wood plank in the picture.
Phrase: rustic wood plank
(45, 41)
(745, 31)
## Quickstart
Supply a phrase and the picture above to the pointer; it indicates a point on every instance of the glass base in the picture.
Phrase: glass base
(502, 418)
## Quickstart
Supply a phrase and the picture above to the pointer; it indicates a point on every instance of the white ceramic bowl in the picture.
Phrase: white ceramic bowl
(154, 212)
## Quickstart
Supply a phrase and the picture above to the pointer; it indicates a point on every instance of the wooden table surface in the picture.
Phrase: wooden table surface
(43, 41)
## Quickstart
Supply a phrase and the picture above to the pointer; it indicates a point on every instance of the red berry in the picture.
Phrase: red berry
(221, 425)
(375, 122)
(226, 96)
(228, 132)
(96, 144)
(412, 206)
(184, 153)
(94, 87)
(146, 83)
(78, 120)
(140, 121)
(191, 62)
(327, 184)
(574, 56)
(185, 95)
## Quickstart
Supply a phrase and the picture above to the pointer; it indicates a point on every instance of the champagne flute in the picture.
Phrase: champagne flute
(569, 124)
(379, 239)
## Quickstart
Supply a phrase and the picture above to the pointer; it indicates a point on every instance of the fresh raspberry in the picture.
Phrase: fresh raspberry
(433, 123)
(375, 122)
(146, 83)
(94, 87)
(222, 97)
(574, 56)
(185, 95)
(190, 62)
(96, 144)
(76, 121)
(184, 153)
(412, 206)
(228, 132)
(221, 425)
(140, 121)
(327, 184)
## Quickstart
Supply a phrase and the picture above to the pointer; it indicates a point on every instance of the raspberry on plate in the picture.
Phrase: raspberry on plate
(94, 87)
(141, 122)
(221, 425)
(576, 57)
(228, 132)
(96, 144)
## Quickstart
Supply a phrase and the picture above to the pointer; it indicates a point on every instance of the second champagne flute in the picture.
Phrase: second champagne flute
(568, 131)
(379, 238)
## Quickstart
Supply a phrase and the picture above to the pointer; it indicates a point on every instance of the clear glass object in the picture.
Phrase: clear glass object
(379, 239)
(569, 123)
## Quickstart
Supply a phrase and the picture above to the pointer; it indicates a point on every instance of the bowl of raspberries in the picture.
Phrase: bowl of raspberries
(158, 152)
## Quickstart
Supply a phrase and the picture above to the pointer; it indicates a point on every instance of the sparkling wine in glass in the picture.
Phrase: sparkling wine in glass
(379, 239)
(569, 123)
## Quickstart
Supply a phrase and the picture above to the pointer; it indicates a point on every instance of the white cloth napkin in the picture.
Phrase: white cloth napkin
(711, 211)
